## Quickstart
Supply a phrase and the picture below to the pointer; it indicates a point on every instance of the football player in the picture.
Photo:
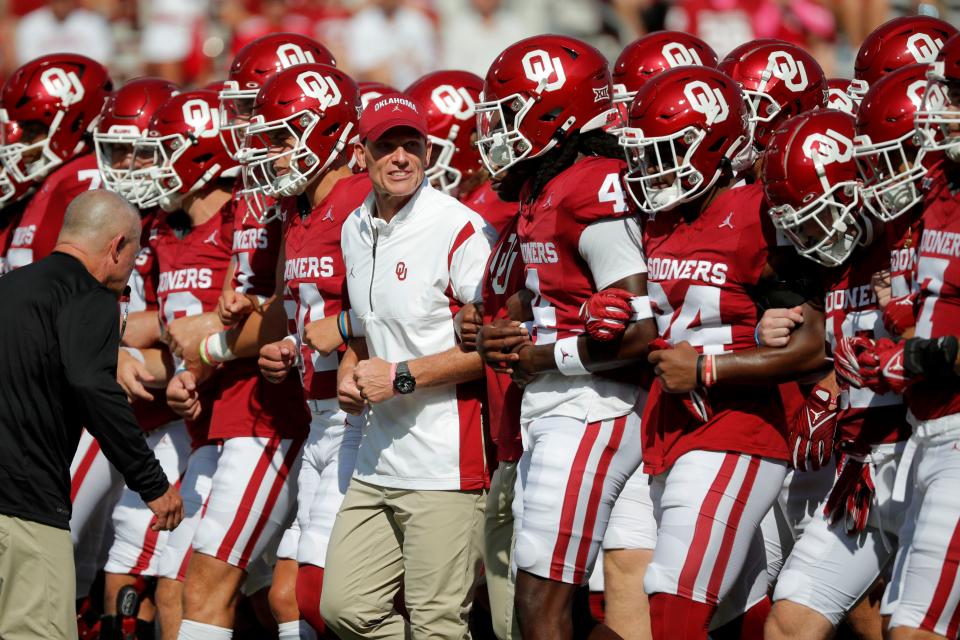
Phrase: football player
(923, 596)
(291, 156)
(714, 444)
(546, 100)
(135, 549)
(178, 164)
(48, 108)
(811, 182)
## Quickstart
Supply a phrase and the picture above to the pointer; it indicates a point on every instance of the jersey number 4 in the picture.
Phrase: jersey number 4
(697, 321)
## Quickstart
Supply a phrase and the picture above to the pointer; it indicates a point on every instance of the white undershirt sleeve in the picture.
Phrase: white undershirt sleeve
(613, 250)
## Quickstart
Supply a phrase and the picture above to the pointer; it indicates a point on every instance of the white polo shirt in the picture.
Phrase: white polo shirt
(405, 281)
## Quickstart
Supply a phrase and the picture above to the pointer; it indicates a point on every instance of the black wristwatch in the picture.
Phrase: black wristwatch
(404, 383)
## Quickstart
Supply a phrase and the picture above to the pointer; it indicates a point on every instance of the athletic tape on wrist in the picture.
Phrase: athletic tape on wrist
(641, 308)
(216, 347)
(566, 353)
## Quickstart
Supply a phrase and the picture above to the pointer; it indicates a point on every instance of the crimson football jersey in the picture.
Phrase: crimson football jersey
(143, 297)
(246, 404)
(903, 253)
(485, 201)
(505, 276)
(192, 265)
(938, 301)
(701, 278)
(851, 308)
(256, 250)
(315, 276)
(578, 236)
(36, 234)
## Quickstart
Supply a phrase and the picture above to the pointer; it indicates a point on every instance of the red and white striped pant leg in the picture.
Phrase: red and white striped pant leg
(254, 498)
(95, 487)
(136, 548)
(925, 587)
(708, 506)
(195, 489)
(569, 477)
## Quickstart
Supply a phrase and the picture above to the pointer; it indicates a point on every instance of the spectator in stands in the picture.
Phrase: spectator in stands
(62, 26)
(476, 34)
(170, 42)
(391, 43)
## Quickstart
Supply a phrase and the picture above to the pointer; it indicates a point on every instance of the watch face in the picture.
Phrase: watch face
(405, 384)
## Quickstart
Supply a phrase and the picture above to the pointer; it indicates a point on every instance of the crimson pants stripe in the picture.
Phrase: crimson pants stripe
(944, 586)
(83, 468)
(569, 510)
(701, 532)
(596, 494)
(733, 524)
(278, 483)
(249, 497)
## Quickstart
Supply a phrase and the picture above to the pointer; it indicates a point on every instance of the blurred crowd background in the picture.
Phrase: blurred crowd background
(395, 41)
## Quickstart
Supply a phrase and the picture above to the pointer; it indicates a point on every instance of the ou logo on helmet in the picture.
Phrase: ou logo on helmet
(678, 55)
(62, 84)
(201, 118)
(927, 99)
(290, 54)
(840, 100)
(709, 102)
(453, 102)
(828, 147)
(923, 48)
(788, 70)
(538, 66)
(320, 88)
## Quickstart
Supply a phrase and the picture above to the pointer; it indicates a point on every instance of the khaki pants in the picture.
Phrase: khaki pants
(37, 582)
(498, 550)
(427, 542)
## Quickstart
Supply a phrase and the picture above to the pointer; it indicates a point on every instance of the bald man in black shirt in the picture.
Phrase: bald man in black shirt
(59, 335)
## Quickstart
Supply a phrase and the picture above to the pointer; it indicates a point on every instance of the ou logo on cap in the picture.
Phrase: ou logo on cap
(786, 68)
(453, 102)
(290, 54)
(200, 117)
(320, 88)
(539, 66)
(709, 102)
(678, 55)
(828, 147)
(62, 84)
(923, 48)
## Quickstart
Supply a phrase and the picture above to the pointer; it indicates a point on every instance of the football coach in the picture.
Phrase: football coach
(59, 335)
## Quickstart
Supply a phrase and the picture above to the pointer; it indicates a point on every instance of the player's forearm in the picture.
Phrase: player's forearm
(452, 366)
(261, 327)
(804, 354)
(595, 355)
(158, 363)
(142, 330)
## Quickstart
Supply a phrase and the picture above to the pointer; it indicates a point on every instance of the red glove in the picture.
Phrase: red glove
(890, 375)
(847, 360)
(606, 314)
(812, 431)
(899, 315)
(851, 497)
(697, 403)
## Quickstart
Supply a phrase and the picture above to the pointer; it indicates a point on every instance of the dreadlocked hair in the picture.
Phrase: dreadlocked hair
(597, 143)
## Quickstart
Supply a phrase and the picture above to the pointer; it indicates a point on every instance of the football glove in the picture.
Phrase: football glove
(812, 431)
(606, 314)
